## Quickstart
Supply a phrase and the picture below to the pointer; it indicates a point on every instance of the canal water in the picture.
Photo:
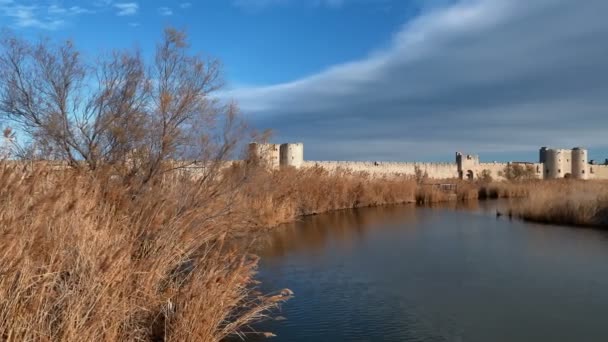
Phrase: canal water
(436, 274)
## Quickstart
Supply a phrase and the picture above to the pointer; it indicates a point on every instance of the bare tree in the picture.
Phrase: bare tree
(117, 111)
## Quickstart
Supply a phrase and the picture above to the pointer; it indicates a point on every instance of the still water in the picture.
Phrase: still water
(436, 274)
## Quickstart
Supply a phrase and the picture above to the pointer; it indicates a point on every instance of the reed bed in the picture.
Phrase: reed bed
(471, 191)
(275, 197)
(566, 202)
(495, 190)
(432, 193)
(429, 195)
(84, 259)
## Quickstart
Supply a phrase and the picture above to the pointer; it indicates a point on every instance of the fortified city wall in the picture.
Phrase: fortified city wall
(431, 170)
(598, 171)
(553, 164)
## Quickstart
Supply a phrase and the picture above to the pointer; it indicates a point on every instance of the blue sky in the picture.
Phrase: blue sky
(261, 42)
(379, 79)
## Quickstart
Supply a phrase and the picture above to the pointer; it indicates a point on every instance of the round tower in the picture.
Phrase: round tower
(267, 154)
(579, 163)
(292, 155)
(552, 164)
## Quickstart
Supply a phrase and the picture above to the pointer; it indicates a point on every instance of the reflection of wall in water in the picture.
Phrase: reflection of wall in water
(343, 228)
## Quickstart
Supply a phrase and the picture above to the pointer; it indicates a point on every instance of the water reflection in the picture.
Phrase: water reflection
(342, 227)
(346, 227)
(447, 273)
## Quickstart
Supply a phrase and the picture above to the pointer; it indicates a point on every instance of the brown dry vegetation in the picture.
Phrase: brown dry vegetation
(275, 197)
(464, 191)
(496, 190)
(566, 202)
(467, 191)
(83, 257)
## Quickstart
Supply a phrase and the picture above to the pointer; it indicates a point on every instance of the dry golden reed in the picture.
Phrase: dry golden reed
(84, 259)
(275, 197)
(566, 202)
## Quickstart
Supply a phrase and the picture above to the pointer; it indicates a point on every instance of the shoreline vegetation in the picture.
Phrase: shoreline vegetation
(559, 202)
(83, 257)
(566, 202)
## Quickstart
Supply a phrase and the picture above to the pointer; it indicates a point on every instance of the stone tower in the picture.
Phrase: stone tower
(467, 164)
(266, 154)
(292, 155)
(580, 165)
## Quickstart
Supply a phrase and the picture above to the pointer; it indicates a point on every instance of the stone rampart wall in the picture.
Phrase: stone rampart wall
(598, 171)
(495, 169)
(433, 170)
(498, 168)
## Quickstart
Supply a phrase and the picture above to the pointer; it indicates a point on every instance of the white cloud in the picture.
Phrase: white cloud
(53, 15)
(478, 75)
(127, 8)
(50, 17)
(67, 11)
(165, 11)
(185, 5)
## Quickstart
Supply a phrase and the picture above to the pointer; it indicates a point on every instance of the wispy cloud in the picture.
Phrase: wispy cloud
(165, 11)
(185, 5)
(43, 17)
(73, 10)
(127, 8)
(477, 75)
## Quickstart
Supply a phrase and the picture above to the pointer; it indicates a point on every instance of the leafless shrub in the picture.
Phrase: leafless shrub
(118, 111)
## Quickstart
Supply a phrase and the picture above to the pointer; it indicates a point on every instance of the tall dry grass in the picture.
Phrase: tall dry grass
(84, 259)
(275, 197)
(506, 189)
(471, 191)
(566, 202)
(458, 191)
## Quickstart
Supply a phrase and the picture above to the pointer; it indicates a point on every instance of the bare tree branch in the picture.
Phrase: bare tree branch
(117, 111)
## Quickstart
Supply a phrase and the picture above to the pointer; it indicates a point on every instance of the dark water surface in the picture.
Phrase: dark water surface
(436, 274)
